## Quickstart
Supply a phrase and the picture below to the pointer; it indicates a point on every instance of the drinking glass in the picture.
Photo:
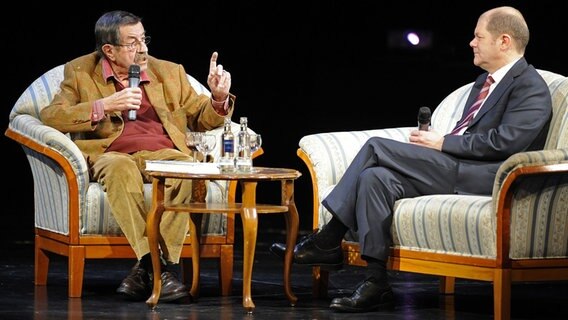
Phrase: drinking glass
(192, 140)
(255, 142)
(206, 144)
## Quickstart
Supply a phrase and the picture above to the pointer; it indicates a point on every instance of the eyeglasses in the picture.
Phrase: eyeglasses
(136, 44)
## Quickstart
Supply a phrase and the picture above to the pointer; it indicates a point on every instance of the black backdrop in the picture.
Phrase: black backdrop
(297, 67)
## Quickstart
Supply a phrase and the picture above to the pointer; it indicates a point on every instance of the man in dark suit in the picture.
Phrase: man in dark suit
(509, 115)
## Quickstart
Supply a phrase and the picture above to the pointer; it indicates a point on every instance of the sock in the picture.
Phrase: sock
(331, 234)
(376, 270)
(146, 262)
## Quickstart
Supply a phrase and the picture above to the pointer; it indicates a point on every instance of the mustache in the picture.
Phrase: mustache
(140, 57)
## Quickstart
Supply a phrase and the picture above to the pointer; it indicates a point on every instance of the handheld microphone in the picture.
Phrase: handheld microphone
(133, 81)
(424, 116)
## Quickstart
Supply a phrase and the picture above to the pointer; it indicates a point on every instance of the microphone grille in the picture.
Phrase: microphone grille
(134, 71)
(424, 113)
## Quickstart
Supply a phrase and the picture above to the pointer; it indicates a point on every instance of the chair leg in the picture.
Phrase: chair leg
(76, 268)
(195, 233)
(41, 264)
(320, 280)
(447, 285)
(447, 303)
(502, 294)
(226, 269)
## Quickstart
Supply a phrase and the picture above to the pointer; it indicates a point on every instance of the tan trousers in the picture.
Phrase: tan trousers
(122, 177)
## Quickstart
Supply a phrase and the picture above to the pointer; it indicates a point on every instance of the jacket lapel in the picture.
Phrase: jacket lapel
(496, 94)
(106, 88)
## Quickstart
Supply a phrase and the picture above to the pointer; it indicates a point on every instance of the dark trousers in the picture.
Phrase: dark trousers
(382, 172)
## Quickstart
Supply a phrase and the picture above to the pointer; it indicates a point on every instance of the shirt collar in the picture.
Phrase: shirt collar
(501, 72)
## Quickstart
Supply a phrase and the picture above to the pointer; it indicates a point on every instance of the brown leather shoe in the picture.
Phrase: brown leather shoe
(172, 288)
(136, 286)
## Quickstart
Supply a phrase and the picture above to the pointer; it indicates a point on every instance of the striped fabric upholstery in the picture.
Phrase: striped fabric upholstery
(460, 224)
(50, 186)
(539, 211)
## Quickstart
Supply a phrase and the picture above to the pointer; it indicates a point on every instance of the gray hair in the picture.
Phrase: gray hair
(107, 28)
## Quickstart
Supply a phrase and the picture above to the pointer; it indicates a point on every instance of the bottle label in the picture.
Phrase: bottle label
(228, 146)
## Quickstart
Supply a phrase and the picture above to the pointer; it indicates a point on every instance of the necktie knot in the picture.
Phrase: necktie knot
(489, 81)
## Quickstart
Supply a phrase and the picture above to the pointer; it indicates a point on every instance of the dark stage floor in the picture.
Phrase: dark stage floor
(416, 295)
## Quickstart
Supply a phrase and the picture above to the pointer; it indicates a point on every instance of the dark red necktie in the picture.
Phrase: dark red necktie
(474, 107)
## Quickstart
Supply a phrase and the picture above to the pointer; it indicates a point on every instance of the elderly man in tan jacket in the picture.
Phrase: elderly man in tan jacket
(93, 105)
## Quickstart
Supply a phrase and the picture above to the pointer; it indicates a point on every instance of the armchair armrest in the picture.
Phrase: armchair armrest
(529, 198)
(528, 163)
(327, 156)
(32, 133)
(59, 170)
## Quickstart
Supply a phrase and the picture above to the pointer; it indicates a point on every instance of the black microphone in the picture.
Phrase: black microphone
(424, 116)
(133, 81)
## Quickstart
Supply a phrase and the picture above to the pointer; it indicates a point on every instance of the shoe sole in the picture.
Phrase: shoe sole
(174, 297)
(323, 266)
(336, 266)
(346, 309)
(132, 297)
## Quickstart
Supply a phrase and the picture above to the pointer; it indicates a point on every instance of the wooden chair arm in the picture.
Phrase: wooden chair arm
(511, 185)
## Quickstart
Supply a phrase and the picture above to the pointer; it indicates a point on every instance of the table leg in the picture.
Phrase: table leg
(292, 225)
(250, 228)
(153, 230)
(195, 234)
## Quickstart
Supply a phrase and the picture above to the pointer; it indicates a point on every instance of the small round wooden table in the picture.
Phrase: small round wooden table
(248, 209)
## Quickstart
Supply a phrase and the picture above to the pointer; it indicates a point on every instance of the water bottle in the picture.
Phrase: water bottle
(244, 160)
(227, 159)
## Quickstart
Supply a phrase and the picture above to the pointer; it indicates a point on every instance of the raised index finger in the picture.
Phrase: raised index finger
(213, 63)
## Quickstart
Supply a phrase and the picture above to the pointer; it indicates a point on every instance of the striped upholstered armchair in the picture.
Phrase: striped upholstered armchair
(520, 233)
(72, 215)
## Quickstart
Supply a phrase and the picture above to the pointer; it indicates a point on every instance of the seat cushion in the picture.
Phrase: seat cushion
(455, 224)
(98, 219)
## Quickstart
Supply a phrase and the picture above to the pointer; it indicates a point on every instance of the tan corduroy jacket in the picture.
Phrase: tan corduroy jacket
(177, 104)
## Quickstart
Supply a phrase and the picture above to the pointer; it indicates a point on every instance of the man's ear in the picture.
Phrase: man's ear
(506, 41)
(108, 50)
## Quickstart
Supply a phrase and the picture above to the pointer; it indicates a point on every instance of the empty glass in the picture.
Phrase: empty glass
(206, 144)
(255, 141)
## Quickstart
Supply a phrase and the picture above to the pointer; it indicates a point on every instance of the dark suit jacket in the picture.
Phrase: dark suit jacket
(177, 104)
(514, 118)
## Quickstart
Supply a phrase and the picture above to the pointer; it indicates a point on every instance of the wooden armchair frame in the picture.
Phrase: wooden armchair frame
(54, 159)
(326, 156)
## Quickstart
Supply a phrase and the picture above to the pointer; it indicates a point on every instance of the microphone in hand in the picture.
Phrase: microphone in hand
(133, 81)
(424, 117)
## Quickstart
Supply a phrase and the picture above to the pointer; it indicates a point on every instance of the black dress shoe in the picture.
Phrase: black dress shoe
(368, 296)
(308, 253)
(136, 286)
(278, 249)
(172, 288)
